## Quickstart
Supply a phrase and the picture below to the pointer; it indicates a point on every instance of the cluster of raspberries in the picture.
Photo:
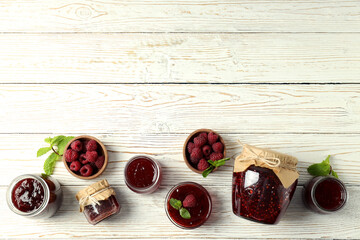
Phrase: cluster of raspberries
(204, 147)
(84, 157)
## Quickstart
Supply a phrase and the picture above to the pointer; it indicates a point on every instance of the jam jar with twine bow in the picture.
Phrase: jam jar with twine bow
(98, 202)
(264, 182)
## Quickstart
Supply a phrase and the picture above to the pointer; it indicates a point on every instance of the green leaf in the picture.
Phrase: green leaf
(327, 160)
(320, 169)
(57, 140)
(218, 163)
(61, 145)
(44, 176)
(42, 151)
(50, 162)
(184, 213)
(48, 140)
(175, 203)
(207, 171)
(334, 174)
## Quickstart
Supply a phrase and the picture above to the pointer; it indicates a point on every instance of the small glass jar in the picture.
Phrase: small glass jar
(199, 213)
(31, 195)
(142, 174)
(98, 202)
(258, 195)
(325, 194)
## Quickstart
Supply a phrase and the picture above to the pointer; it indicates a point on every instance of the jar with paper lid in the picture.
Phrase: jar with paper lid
(98, 202)
(264, 182)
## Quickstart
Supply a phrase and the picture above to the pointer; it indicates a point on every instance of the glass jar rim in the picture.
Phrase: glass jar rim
(320, 180)
(10, 191)
(187, 183)
(157, 173)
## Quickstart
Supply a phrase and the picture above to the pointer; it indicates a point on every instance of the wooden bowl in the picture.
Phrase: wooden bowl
(103, 148)
(186, 155)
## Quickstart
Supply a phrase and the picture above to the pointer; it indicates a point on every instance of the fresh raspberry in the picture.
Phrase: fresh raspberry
(190, 147)
(218, 147)
(75, 166)
(91, 156)
(71, 155)
(204, 135)
(91, 145)
(83, 159)
(86, 170)
(212, 138)
(196, 155)
(189, 201)
(206, 150)
(199, 141)
(76, 145)
(216, 156)
(100, 162)
(202, 165)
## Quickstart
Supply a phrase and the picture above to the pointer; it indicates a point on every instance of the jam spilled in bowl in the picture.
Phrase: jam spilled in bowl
(142, 174)
(258, 195)
(199, 212)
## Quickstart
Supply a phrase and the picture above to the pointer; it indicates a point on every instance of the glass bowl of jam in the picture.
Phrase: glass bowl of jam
(325, 194)
(32, 195)
(199, 213)
(258, 195)
(142, 174)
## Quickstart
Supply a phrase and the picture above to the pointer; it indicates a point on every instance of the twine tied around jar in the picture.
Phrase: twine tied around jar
(91, 197)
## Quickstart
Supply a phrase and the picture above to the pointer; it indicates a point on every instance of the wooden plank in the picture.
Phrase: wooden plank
(180, 58)
(144, 217)
(18, 154)
(147, 109)
(180, 16)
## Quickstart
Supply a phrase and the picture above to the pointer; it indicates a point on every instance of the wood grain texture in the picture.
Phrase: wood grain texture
(180, 58)
(147, 109)
(143, 216)
(18, 154)
(180, 16)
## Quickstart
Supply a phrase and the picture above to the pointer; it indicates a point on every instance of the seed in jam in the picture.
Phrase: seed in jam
(141, 173)
(329, 194)
(28, 195)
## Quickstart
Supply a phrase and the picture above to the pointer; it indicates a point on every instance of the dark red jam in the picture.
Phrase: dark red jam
(28, 195)
(259, 195)
(199, 214)
(325, 194)
(95, 213)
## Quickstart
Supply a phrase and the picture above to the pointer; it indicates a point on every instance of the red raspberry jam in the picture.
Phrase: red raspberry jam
(142, 174)
(95, 213)
(258, 195)
(325, 194)
(199, 213)
(28, 195)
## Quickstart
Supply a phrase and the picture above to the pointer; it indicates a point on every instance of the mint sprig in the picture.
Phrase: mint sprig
(184, 213)
(213, 165)
(322, 169)
(57, 146)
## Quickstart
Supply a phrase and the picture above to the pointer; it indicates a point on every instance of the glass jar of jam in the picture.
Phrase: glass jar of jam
(142, 174)
(98, 202)
(258, 195)
(32, 195)
(325, 194)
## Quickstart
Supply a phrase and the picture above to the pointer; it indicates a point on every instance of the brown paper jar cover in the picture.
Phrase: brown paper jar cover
(95, 192)
(283, 165)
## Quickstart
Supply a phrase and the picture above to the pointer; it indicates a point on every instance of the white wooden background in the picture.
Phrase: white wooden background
(142, 74)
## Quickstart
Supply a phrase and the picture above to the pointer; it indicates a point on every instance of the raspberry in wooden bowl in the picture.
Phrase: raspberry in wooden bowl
(85, 157)
(200, 146)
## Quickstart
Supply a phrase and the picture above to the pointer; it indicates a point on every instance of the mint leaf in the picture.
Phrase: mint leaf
(61, 145)
(327, 160)
(184, 213)
(334, 174)
(321, 169)
(56, 140)
(50, 162)
(207, 171)
(218, 163)
(48, 140)
(42, 151)
(175, 203)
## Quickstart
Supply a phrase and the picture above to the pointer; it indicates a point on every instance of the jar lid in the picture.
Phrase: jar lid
(283, 165)
(94, 193)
